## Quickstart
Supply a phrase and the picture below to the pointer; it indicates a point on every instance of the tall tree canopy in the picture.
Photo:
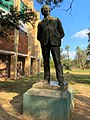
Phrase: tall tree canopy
(81, 57)
(55, 3)
(67, 49)
(10, 20)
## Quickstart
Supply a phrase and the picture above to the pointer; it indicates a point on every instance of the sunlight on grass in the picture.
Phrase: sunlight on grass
(25, 83)
(72, 76)
(80, 71)
(11, 95)
(78, 75)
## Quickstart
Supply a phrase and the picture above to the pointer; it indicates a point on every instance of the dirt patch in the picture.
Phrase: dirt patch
(11, 98)
(82, 102)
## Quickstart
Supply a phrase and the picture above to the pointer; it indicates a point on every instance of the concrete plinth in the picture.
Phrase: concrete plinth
(46, 104)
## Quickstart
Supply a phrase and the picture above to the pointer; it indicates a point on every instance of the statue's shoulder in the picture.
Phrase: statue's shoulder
(54, 19)
(40, 23)
(57, 19)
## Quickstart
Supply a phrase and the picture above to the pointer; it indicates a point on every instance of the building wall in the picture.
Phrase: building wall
(28, 56)
(8, 45)
(23, 43)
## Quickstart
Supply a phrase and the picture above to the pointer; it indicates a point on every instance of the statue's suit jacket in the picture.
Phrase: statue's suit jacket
(50, 29)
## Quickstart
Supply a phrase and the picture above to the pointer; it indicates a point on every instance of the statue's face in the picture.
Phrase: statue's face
(45, 10)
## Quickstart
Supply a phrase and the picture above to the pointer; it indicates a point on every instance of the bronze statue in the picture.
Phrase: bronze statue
(50, 33)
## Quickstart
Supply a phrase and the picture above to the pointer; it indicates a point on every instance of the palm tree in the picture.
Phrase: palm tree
(67, 49)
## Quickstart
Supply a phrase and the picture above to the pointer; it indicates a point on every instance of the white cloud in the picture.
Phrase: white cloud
(82, 45)
(71, 54)
(81, 34)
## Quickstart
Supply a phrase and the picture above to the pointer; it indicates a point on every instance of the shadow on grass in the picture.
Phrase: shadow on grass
(18, 86)
(78, 78)
(22, 85)
(17, 103)
(82, 108)
(73, 78)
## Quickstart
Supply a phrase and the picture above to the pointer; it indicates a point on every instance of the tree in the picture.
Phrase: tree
(88, 48)
(61, 50)
(55, 3)
(10, 20)
(81, 57)
(78, 55)
(67, 49)
(28, 15)
(66, 63)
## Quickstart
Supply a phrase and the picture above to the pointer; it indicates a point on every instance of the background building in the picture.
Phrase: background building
(26, 60)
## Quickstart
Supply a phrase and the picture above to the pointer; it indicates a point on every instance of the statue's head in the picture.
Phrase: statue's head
(45, 10)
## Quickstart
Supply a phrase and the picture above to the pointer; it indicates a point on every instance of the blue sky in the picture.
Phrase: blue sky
(75, 25)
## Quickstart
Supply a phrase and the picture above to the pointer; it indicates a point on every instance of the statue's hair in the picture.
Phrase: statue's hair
(44, 8)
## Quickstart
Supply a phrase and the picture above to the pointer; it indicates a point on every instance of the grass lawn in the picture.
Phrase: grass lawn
(11, 95)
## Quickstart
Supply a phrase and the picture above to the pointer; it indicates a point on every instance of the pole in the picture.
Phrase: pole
(16, 39)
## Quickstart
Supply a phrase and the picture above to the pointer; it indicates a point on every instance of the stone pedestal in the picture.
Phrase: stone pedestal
(46, 104)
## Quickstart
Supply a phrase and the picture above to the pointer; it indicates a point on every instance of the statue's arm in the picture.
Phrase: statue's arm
(60, 28)
(38, 32)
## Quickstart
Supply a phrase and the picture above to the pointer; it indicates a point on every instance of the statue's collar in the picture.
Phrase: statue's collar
(48, 18)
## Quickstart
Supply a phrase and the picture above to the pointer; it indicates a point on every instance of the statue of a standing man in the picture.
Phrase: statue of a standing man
(50, 33)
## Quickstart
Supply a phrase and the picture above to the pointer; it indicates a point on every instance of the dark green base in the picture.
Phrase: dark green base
(47, 104)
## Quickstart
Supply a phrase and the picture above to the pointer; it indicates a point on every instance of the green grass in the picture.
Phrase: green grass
(85, 79)
(79, 71)
(20, 86)
(78, 75)
(23, 84)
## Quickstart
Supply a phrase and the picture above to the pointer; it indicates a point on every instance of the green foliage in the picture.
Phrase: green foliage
(51, 3)
(67, 64)
(88, 47)
(87, 65)
(67, 49)
(51, 63)
(56, 3)
(10, 21)
(63, 57)
(89, 34)
(28, 15)
(81, 57)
